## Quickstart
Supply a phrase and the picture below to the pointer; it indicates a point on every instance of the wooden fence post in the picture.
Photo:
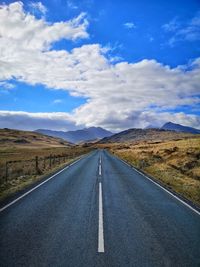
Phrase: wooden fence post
(6, 171)
(36, 164)
(44, 166)
(38, 170)
(50, 161)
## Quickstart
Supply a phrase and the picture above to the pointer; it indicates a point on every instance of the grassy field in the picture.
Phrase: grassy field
(22, 174)
(18, 152)
(175, 163)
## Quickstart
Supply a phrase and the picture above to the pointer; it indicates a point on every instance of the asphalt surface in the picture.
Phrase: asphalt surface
(72, 220)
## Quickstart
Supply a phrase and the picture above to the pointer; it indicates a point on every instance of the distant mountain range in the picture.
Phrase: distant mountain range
(169, 131)
(179, 128)
(142, 135)
(78, 136)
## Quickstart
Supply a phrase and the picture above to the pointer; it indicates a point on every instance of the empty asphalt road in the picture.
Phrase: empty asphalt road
(99, 212)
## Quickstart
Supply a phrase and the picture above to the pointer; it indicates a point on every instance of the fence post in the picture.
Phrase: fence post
(37, 165)
(50, 161)
(44, 166)
(38, 170)
(6, 171)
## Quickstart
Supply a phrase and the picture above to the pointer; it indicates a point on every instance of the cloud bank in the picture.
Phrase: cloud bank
(119, 95)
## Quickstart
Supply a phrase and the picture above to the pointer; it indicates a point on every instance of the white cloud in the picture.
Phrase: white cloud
(6, 85)
(57, 101)
(20, 30)
(115, 59)
(83, 4)
(38, 6)
(71, 4)
(64, 121)
(119, 95)
(33, 121)
(129, 25)
(172, 25)
(151, 39)
(181, 31)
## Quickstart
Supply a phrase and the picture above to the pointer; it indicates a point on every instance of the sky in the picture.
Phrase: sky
(70, 64)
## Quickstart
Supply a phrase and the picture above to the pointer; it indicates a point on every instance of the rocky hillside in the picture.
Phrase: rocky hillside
(145, 134)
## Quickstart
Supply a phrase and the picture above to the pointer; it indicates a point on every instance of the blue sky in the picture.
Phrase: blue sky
(115, 64)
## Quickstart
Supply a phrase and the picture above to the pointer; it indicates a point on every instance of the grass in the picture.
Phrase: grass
(15, 185)
(24, 146)
(175, 163)
(22, 174)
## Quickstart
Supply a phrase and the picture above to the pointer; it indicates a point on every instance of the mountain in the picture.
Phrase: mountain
(17, 138)
(150, 126)
(179, 128)
(144, 134)
(84, 135)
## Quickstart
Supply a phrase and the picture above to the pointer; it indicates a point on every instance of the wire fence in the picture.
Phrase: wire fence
(36, 166)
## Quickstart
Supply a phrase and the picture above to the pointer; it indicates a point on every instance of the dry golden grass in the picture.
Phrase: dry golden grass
(23, 174)
(24, 146)
(15, 185)
(22, 153)
(174, 163)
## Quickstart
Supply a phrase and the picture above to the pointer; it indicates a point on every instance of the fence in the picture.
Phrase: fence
(36, 166)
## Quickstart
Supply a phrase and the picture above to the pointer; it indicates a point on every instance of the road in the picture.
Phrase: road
(99, 212)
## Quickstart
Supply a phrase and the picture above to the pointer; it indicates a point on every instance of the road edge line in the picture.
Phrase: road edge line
(37, 186)
(162, 187)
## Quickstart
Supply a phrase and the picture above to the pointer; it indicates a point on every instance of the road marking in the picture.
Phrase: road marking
(37, 186)
(101, 234)
(100, 160)
(100, 169)
(170, 193)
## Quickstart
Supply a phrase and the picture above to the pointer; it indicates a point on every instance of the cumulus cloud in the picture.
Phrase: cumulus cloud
(119, 95)
(23, 31)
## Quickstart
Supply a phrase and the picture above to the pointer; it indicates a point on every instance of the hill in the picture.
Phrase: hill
(17, 138)
(175, 163)
(179, 128)
(78, 136)
(144, 134)
(27, 157)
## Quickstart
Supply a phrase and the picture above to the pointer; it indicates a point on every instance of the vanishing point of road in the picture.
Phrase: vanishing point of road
(99, 212)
